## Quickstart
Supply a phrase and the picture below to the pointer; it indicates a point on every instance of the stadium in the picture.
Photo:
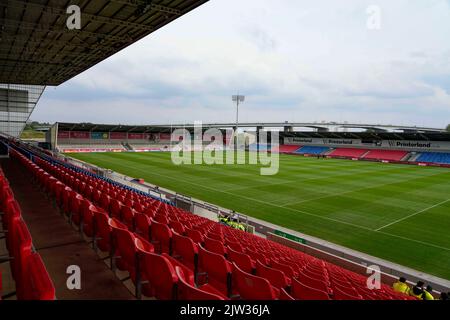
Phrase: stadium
(351, 208)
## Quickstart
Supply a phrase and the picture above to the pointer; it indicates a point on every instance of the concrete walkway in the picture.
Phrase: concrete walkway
(60, 245)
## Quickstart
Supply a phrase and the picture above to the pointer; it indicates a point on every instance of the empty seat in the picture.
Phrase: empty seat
(276, 277)
(299, 291)
(142, 225)
(284, 295)
(242, 260)
(161, 237)
(251, 287)
(195, 235)
(215, 246)
(177, 227)
(184, 249)
(128, 217)
(217, 270)
(158, 276)
(37, 282)
(187, 291)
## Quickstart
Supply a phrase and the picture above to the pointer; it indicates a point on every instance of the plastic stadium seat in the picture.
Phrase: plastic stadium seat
(161, 219)
(236, 246)
(217, 270)
(188, 273)
(195, 235)
(116, 209)
(251, 287)
(284, 295)
(341, 295)
(189, 292)
(242, 260)
(215, 246)
(20, 251)
(299, 291)
(76, 201)
(103, 229)
(38, 285)
(288, 270)
(87, 221)
(258, 256)
(276, 277)
(314, 283)
(177, 227)
(128, 214)
(142, 224)
(161, 237)
(184, 249)
(158, 275)
(124, 255)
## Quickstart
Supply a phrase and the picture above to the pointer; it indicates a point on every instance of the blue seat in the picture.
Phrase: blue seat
(434, 157)
(312, 150)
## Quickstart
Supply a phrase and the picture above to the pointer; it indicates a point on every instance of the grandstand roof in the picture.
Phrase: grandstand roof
(37, 47)
(409, 133)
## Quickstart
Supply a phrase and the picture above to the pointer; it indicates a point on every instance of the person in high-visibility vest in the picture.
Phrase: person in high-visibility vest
(401, 286)
(427, 293)
(417, 290)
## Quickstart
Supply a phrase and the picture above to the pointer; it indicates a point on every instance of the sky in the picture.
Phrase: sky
(378, 61)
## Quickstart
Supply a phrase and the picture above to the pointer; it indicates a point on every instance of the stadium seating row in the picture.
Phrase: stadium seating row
(372, 154)
(27, 268)
(195, 258)
(434, 157)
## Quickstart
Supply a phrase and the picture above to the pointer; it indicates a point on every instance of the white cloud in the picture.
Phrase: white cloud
(295, 60)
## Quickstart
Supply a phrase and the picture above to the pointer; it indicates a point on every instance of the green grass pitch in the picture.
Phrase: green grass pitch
(399, 213)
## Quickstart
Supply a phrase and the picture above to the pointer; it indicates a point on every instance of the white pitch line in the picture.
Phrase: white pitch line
(286, 208)
(330, 195)
(412, 215)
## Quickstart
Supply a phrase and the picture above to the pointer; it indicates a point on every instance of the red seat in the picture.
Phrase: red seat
(177, 227)
(314, 283)
(161, 236)
(103, 230)
(128, 217)
(242, 260)
(215, 246)
(303, 292)
(142, 224)
(189, 292)
(284, 295)
(195, 235)
(342, 293)
(188, 273)
(217, 270)
(20, 251)
(38, 285)
(124, 255)
(116, 209)
(251, 287)
(275, 277)
(288, 270)
(185, 250)
(76, 201)
(158, 275)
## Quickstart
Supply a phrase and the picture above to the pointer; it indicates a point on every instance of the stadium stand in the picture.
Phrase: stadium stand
(348, 152)
(288, 148)
(186, 268)
(434, 157)
(27, 268)
(312, 150)
(390, 155)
